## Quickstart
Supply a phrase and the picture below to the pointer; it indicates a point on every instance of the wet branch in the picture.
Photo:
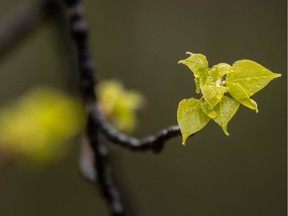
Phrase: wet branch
(154, 143)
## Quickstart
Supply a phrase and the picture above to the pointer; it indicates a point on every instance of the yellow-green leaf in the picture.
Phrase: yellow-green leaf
(239, 93)
(198, 64)
(208, 110)
(212, 93)
(191, 117)
(241, 81)
(250, 75)
(225, 110)
(218, 71)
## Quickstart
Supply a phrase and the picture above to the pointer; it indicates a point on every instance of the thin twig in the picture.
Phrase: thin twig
(154, 143)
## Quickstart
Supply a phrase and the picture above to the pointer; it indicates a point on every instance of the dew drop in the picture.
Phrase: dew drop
(248, 79)
(218, 96)
(212, 115)
(222, 114)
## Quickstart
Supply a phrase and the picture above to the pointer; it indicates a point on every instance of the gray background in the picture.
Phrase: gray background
(139, 43)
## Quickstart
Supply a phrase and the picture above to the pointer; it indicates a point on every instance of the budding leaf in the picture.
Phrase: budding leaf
(218, 71)
(241, 80)
(118, 104)
(191, 117)
(208, 110)
(225, 110)
(239, 93)
(212, 93)
(250, 75)
(198, 64)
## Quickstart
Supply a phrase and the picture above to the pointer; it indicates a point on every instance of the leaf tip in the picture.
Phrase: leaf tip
(225, 131)
(256, 108)
(184, 138)
(277, 75)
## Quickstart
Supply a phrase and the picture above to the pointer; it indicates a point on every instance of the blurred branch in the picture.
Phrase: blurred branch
(78, 28)
(96, 123)
(21, 21)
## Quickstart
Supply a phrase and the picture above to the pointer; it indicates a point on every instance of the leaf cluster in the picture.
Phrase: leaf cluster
(223, 88)
(118, 104)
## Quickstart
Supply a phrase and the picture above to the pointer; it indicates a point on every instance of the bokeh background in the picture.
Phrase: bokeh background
(139, 43)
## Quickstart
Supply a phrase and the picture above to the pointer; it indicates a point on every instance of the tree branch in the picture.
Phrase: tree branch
(96, 122)
(78, 29)
(104, 171)
(155, 143)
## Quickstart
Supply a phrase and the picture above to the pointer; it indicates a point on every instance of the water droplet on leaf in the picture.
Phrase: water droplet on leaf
(219, 96)
(248, 79)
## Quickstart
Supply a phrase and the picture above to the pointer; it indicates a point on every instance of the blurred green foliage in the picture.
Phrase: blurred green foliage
(118, 104)
(37, 125)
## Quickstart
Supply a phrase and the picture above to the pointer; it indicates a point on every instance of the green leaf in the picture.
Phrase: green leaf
(191, 117)
(218, 71)
(241, 81)
(250, 75)
(198, 64)
(239, 93)
(225, 110)
(212, 93)
(207, 109)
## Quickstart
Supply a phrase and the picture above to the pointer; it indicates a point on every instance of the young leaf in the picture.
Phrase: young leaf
(218, 71)
(212, 93)
(208, 110)
(241, 81)
(190, 117)
(239, 93)
(225, 110)
(198, 64)
(250, 75)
